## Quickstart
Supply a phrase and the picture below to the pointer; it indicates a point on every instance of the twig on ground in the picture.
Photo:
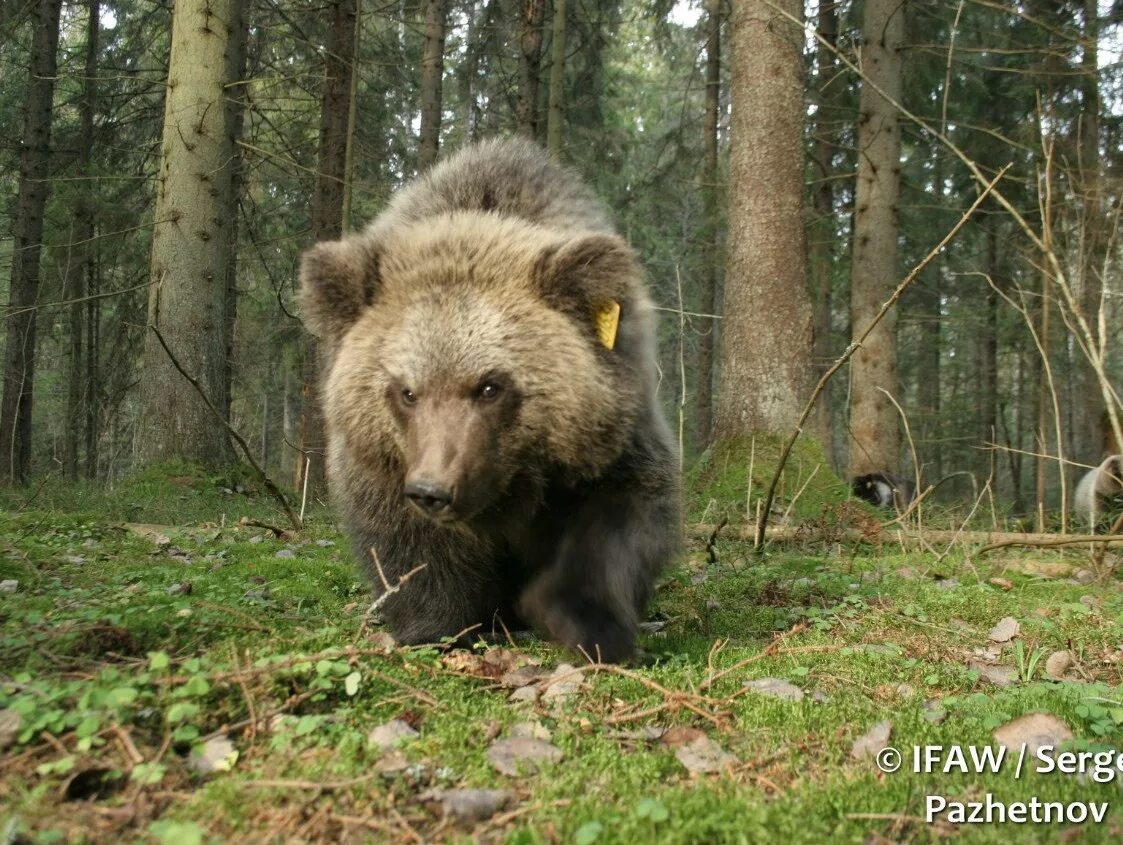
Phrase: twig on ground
(322, 785)
(127, 743)
(762, 520)
(388, 590)
(279, 533)
(711, 544)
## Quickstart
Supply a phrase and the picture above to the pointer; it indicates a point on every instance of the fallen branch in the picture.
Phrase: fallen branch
(991, 539)
(855, 345)
(273, 489)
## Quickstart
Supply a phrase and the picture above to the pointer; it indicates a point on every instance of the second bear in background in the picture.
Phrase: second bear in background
(882, 490)
(1100, 493)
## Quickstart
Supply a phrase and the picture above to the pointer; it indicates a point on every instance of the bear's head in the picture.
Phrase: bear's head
(465, 353)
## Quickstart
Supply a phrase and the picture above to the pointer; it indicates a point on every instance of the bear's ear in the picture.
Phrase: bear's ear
(580, 275)
(337, 281)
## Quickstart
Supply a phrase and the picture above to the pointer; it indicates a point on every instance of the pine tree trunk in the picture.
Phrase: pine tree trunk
(875, 440)
(432, 72)
(1088, 405)
(191, 243)
(467, 72)
(237, 101)
(328, 204)
(987, 339)
(766, 333)
(530, 60)
(704, 394)
(92, 399)
(79, 263)
(27, 237)
(554, 116)
(822, 253)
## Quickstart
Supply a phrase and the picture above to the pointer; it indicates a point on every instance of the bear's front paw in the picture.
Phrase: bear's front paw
(587, 627)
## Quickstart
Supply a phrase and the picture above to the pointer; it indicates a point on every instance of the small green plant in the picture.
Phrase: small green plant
(1028, 662)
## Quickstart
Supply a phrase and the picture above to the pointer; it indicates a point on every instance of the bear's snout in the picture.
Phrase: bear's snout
(430, 497)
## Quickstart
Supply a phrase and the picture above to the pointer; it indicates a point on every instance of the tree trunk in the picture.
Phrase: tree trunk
(557, 79)
(27, 237)
(766, 333)
(530, 60)
(237, 101)
(875, 440)
(191, 242)
(93, 362)
(432, 72)
(78, 263)
(987, 340)
(467, 72)
(704, 394)
(1088, 405)
(823, 238)
(328, 203)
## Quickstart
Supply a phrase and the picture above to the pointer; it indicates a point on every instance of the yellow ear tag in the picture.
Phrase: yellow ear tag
(607, 318)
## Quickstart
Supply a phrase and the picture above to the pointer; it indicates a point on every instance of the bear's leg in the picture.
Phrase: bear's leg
(436, 590)
(603, 553)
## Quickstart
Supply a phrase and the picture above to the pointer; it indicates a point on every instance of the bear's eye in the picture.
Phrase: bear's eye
(488, 391)
(408, 396)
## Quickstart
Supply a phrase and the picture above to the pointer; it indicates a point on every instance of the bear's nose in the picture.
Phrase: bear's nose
(430, 497)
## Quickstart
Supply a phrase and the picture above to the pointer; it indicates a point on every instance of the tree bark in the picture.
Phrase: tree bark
(704, 394)
(875, 440)
(1088, 443)
(823, 238)
(467, 72)
(27, 237)
(530, 60)
(328, 204)
(554, 116)
(432, 72)
(191, 253)
(79, 263)
(93, 362)
(237, 100)
(987, 340)
(766, 333)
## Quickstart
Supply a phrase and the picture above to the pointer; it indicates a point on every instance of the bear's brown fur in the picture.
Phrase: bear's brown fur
(478, 425)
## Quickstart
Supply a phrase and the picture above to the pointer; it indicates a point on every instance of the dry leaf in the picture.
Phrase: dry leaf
(392, 761)
(650, 733)
(1058, 663)
(531, 730)
(775, 688)
(564, 682)
(1005, 630)
(703, 756)
(391, 734)
(10, 722)
(521, 756)
(1000, 676)
(528, 693)
(523, 676)
(1034, 730)
(872, 741)
(468, 805)
(680, 735)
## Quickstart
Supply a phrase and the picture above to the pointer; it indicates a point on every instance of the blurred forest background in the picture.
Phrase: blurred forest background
(1000, 355)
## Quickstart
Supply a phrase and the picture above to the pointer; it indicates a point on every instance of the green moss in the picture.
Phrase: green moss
(81, 641)
(719, 484)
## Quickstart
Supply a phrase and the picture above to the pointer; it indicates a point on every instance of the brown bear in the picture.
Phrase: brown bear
(489, 394)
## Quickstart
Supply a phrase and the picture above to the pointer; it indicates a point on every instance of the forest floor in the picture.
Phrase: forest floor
(171, 674)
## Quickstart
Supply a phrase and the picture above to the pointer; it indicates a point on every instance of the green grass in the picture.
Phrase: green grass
(118, 672)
